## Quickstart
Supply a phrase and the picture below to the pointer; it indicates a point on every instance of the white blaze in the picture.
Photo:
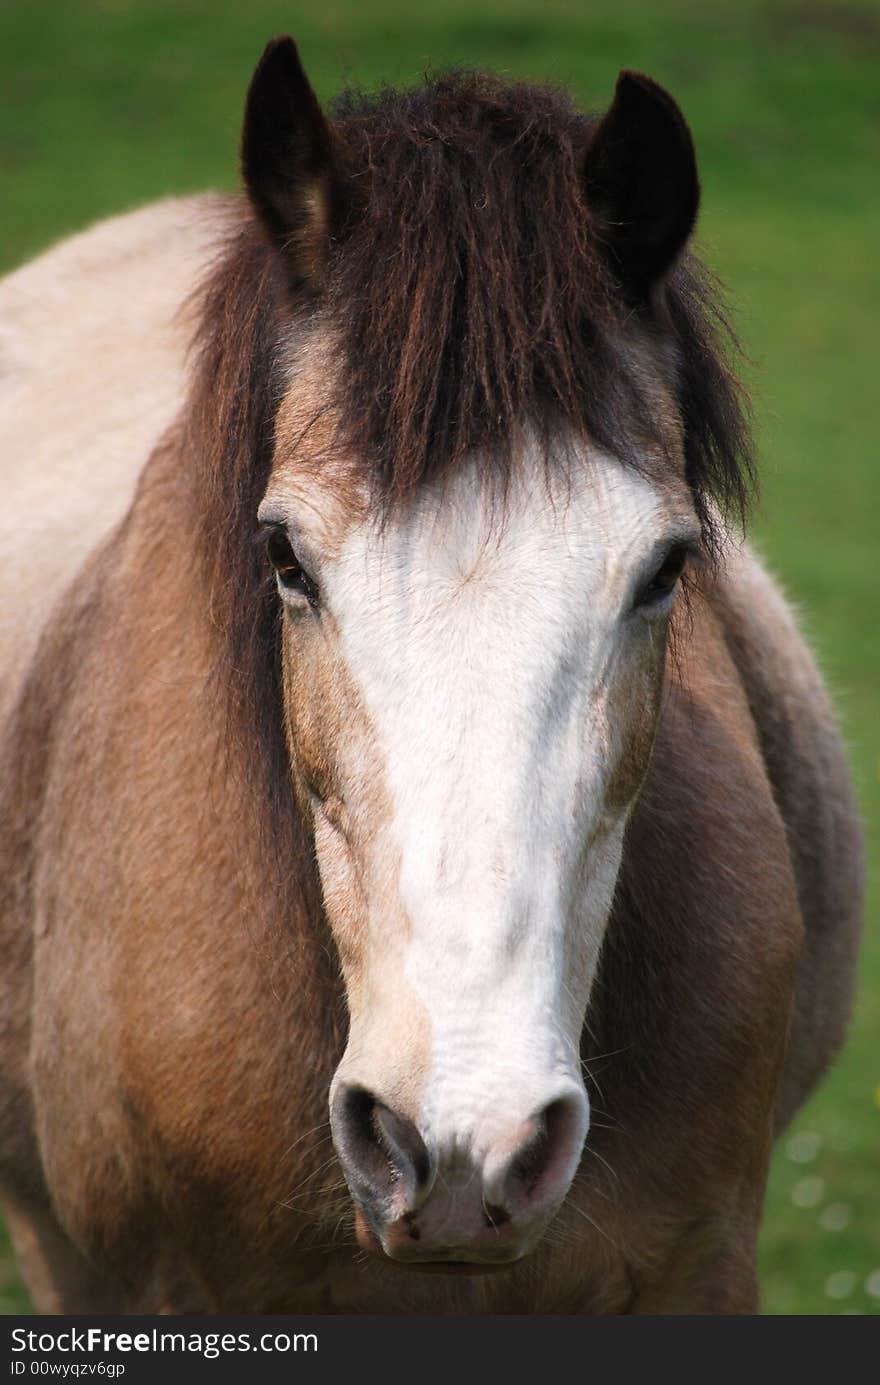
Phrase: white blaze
(485, 652)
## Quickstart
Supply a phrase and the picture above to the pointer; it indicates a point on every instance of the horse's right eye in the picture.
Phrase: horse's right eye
(289, 571)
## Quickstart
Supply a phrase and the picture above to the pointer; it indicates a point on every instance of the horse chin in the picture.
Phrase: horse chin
(459, 1261)
(455, 1267)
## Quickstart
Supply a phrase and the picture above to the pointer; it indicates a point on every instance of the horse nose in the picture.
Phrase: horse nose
(530, 1171)
(495, 1197)
(385, 1160)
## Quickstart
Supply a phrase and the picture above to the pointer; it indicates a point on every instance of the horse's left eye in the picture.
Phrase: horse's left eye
(664, 581)
(290, 572)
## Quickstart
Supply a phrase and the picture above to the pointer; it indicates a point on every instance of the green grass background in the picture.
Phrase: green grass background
(108, 103)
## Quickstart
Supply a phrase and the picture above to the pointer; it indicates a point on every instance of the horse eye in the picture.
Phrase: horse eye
(288, 568)
(665, 578)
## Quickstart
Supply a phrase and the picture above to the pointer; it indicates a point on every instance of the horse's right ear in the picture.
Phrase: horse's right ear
(287, 160)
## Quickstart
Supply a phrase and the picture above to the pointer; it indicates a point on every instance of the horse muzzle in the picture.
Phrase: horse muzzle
(457, 1202)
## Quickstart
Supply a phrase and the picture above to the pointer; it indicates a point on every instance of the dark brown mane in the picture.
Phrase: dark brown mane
(468, 294)
(472, 295)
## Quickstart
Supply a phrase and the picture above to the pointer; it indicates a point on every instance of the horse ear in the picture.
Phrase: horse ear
(287, 159)
(640, 175)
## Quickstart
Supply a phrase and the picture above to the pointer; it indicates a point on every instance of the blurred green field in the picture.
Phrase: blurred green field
(108, 103)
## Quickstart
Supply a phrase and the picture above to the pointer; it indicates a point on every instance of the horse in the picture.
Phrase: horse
(430, 873)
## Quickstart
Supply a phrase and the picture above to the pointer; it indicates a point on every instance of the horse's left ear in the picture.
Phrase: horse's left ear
(287, 160)
(640, 176)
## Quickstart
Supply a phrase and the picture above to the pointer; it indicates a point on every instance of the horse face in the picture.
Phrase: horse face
(471, 689)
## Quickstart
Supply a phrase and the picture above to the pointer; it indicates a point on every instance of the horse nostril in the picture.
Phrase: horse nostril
(539, 1171)
(384, 1157)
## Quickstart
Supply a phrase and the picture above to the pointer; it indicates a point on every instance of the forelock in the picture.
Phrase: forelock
(470, 298)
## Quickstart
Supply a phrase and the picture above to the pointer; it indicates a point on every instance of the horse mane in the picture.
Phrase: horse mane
(473, 296)
(468, 297)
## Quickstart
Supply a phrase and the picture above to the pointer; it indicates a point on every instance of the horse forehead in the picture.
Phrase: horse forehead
(548, 537)
(319, 478)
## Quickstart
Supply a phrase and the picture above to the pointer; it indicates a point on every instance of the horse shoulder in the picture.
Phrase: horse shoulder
(176, 998)
(92, 369)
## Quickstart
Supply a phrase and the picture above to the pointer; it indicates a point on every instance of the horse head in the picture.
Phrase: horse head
(492, 452)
